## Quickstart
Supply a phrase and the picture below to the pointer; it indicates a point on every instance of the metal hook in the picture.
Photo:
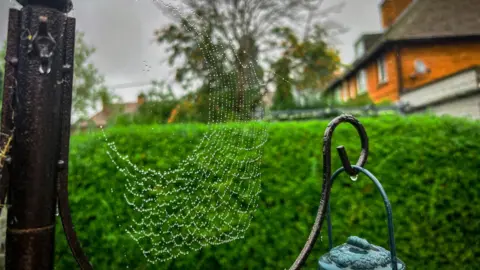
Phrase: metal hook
(327, 171)
(342, 152)
(388, 208)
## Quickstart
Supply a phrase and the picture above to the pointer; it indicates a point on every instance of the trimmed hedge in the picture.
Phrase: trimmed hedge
(429, 167)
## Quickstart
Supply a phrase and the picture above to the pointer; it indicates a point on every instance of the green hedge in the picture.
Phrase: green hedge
(428, 166)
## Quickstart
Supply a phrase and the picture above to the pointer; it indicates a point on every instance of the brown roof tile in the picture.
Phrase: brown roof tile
(101, 118)
(130, 107)
(437, 18)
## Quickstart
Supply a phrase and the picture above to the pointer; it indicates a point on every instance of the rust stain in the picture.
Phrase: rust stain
(31, 230)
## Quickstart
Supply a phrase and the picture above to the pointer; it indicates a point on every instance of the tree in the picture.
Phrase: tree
(88, 83)
(3, 51)
(312, 61)
(232, 39)
(283, 98)
(308, 64)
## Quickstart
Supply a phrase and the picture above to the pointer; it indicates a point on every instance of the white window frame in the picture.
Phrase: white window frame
(382, 69)
(362, 85)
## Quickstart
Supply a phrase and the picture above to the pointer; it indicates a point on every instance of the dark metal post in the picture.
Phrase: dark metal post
(32, 192)
(36, 124)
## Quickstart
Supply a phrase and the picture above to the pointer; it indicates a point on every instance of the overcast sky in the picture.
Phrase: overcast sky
(122, 32)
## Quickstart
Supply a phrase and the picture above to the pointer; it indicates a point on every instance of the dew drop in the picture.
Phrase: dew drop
(216, 187)
(354, 177)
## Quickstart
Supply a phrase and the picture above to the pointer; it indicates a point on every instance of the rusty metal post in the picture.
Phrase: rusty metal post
(36, 116)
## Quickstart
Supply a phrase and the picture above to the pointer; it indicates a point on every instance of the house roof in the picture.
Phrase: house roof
(130, 107)
(438, 18)
(268, 98)
(424, 19)
(101, 118)
(368, 39)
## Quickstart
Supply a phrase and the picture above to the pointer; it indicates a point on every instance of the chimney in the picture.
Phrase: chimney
(391, 9)
(141, 99)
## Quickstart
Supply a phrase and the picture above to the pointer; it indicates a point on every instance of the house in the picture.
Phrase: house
(102, 117)
(267, 99)
(427, 56)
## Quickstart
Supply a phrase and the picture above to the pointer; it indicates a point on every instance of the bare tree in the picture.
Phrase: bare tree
(240, 30)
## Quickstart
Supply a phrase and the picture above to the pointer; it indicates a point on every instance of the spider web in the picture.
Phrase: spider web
(210, 197)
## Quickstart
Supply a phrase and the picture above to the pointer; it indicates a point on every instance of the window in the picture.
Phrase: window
(338, 94)
(345, 91)
(362, 82)
(352, 93)
(382, 70)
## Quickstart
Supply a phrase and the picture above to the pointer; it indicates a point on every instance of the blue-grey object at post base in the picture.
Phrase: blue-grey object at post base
(357, 254)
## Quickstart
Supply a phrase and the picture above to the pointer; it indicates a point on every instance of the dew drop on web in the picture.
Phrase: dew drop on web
(213, 191)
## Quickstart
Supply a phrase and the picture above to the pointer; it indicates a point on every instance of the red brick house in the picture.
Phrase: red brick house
(102, 117)
(427, 55)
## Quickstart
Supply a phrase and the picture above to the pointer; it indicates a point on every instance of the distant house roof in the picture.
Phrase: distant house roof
(268, 99)
(101, 118)
(424, 20)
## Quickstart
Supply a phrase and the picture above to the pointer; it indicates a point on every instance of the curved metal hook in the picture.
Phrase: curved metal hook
(326, 186)
(388, 208)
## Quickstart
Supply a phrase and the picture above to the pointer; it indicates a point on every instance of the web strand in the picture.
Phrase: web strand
(211, 195)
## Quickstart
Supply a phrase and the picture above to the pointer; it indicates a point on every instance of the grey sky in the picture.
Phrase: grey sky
(122, 32)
